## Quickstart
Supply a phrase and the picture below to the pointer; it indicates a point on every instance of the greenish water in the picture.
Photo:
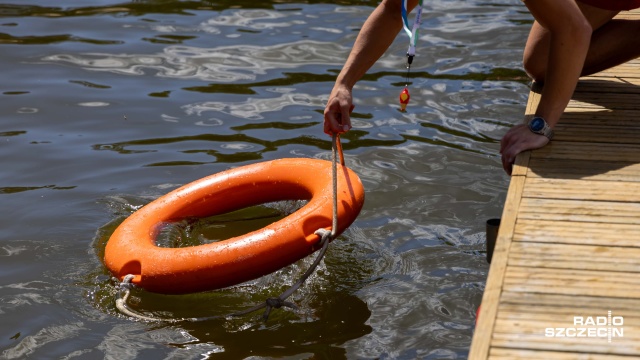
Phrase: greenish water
(107, 105)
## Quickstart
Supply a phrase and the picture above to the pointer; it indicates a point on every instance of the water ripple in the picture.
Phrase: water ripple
(212, 85)
(220, 64)
(255, 108)
(256, 19)
(29, 344)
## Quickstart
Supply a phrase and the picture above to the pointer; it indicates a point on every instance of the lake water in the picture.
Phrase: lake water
(107, 105)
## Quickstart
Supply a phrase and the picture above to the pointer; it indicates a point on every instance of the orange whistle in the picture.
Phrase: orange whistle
(404, 99)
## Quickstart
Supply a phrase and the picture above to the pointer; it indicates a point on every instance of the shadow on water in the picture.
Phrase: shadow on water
(17, 189)
(497, 74)
(340, 317)
(138, 146)
(354, 139)
(290, 79)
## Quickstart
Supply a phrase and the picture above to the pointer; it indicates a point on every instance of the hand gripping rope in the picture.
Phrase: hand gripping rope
(326, 236)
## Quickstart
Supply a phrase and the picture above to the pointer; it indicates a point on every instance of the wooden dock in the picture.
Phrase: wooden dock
(568, 248)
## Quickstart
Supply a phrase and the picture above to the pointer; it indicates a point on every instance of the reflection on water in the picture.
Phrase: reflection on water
(221, 64)
(106, 106)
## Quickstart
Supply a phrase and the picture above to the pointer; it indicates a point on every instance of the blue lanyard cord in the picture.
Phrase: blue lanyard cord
(412, 31)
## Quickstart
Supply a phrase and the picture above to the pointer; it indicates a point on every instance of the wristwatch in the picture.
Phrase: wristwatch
(537, 125)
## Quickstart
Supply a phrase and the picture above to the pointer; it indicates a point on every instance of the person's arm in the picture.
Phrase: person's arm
(375, 37)
(570, 35)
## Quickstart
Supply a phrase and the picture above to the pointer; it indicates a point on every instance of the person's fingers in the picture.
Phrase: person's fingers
(333, 123)
(503, 143)
(506, 156)
(514, 145)
(327, 126)
(331, 114)
(517, 140)
(507, 166)
(508, 138)
(336, 118)
(347, 125)
(344, 121)
(510, 147)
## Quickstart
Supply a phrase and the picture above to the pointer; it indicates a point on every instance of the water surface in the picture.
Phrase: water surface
(108, 105)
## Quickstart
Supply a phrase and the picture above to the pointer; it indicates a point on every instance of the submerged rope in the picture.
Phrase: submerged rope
(124, 290)
(326, 236)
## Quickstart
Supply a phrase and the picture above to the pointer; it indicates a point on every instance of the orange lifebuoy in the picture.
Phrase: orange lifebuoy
(132, 248)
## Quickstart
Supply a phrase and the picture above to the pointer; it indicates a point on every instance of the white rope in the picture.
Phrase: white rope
(124, 288)
(334, 176)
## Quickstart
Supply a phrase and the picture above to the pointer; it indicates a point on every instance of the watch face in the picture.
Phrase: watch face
(536, 124)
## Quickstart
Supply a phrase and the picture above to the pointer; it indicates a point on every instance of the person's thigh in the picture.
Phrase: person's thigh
(536, 50)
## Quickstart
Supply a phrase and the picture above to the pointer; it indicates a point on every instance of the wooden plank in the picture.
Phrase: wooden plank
(622, 71)
(588, 304)
(597, 134)
(604, 99)
(537, 326)
(560, 232)
(564, 313)
(628, 71)
(524, 317)
(582, 189)
(584, 169)
(619, 72)
(574, 256)
(619, 346)
(580, 211)
(513, 331)
(532, 103)
(521, 165)
(588, 151)
(539, 318)
(607, 86)
(572, 282)
(481, 340)
(600, 117)
(527, 354)
(629, 15)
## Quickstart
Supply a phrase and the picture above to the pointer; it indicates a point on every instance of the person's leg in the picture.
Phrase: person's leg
(616, 42)
(613, 42)
(536, 52)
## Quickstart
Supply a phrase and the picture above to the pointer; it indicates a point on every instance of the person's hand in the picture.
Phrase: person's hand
(518, 139)
(337, 117)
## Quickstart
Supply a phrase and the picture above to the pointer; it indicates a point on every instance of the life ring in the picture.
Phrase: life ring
(132, 248)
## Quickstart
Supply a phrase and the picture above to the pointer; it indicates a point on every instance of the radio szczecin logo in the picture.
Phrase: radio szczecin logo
(605, 327)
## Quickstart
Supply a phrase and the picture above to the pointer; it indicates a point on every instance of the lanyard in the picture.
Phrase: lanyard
(412, 31)
(411, 52)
